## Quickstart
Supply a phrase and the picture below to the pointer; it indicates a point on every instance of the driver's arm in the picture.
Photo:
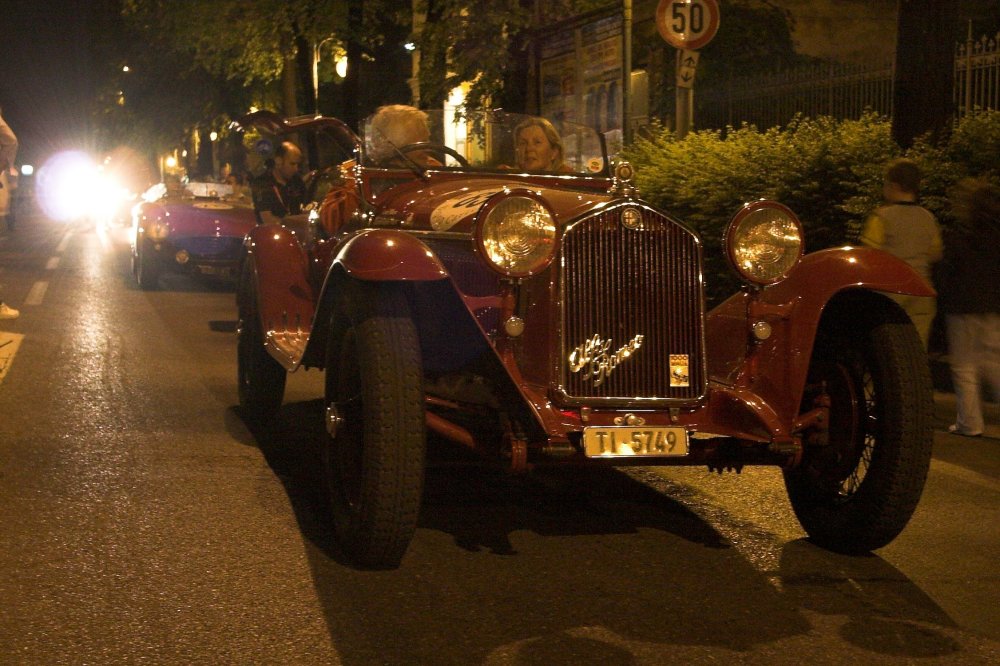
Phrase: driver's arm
(266, 203)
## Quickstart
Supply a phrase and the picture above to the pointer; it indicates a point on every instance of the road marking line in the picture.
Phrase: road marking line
(64, 242)
(36, 294)
(9, 344)
(967, 475)
(52, 264)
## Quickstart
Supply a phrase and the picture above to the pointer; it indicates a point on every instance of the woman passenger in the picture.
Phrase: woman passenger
(539, 147)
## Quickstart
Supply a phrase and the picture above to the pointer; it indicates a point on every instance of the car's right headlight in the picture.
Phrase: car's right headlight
(516, 233)
(764, 242)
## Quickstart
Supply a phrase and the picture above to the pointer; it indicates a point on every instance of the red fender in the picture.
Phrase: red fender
(822, 274)
(376, 255)
(387, 255)
(285, 298)
(776, 368)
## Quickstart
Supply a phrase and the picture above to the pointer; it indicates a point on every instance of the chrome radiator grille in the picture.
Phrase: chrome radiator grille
(619, 282)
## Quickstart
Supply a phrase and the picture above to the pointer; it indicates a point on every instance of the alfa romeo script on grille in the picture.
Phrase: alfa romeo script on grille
(596, 360)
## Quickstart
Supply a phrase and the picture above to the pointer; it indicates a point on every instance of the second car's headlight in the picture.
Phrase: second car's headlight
(516, 234)
(764, 242)
(156, 230)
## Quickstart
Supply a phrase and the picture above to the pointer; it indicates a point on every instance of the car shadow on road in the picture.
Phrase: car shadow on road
(597, 567)
(555, 502)
(879, 609)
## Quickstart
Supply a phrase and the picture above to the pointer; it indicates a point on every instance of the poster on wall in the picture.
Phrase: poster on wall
(580, 74)
(558, 77)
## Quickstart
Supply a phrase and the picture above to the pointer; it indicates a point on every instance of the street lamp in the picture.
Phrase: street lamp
(315, 71)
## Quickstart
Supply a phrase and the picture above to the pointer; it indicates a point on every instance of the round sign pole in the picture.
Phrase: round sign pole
(683, 104)
(687, 25)
(627, 71)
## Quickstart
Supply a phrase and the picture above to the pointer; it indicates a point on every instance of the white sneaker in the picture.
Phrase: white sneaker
(7, 312)
(954, 430)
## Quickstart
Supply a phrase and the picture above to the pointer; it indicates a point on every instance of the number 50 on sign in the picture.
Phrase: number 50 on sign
(687, 24)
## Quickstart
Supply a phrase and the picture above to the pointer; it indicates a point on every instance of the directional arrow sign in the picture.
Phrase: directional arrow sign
(686, 67)
(687, 24)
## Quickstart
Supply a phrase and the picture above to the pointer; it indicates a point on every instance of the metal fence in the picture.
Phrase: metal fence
(977, 75)
(844, 90)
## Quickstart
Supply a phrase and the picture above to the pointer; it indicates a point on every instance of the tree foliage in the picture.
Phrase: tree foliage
(267, 46)
(482, 42)
(467, 40)
(234, 39)
(162, 95)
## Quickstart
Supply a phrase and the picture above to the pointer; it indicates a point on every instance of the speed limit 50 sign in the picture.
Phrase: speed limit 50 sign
(687, 24)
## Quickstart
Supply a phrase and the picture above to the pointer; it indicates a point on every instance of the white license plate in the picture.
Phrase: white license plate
(630, 442)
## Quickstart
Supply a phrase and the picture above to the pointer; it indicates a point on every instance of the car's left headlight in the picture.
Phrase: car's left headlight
(516, 234)
(764, 242)
(156, 230)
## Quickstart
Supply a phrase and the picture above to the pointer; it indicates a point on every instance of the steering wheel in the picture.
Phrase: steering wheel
(436, 149)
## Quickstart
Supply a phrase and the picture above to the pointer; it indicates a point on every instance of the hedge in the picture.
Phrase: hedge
(828, 171)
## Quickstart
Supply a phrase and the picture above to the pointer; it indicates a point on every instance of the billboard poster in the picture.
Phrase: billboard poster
(580, 73)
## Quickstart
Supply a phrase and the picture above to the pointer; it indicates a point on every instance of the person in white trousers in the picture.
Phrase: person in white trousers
(970, 300)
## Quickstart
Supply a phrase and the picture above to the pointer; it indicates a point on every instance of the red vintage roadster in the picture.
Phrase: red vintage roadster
(555, 318)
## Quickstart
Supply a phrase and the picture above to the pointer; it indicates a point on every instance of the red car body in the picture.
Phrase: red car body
(605, 355)
(198, 230)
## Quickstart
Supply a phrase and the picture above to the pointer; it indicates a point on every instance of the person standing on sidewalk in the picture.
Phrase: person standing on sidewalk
(904, 228)
(8, 151)
(970, 301)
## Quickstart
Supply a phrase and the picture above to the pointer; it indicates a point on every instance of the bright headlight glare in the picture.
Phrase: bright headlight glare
(764, 242)
(157, 230)
(517, 236)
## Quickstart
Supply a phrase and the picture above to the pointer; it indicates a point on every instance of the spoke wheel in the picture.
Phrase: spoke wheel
(375, 444)
(857, 492)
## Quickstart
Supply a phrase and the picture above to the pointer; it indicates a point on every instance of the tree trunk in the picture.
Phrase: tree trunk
(288, 102)
(925, 52)
(351, 87)
(433, 62)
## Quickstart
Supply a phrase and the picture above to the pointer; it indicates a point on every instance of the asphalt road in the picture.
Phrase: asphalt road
(142, 521)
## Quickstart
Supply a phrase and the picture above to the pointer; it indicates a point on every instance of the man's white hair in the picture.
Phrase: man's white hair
(396, 125)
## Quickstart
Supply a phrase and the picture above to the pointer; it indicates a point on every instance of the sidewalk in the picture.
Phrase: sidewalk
(944, 414)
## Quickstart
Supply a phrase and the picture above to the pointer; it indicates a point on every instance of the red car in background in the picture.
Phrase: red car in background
(544, 318)
(196, 228)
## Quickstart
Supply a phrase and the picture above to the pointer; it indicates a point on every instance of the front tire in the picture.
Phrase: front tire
(375, 445)
(857, 492)
(147, 272)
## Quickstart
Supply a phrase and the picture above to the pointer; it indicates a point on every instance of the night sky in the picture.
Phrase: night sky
(46, 79)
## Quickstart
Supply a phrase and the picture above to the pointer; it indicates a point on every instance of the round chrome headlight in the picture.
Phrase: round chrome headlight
(764, 242)
(516, 234)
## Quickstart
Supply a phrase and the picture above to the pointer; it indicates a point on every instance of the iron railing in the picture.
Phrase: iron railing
(844, 90)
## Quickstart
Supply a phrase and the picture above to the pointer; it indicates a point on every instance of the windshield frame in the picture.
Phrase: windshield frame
(589, 144)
